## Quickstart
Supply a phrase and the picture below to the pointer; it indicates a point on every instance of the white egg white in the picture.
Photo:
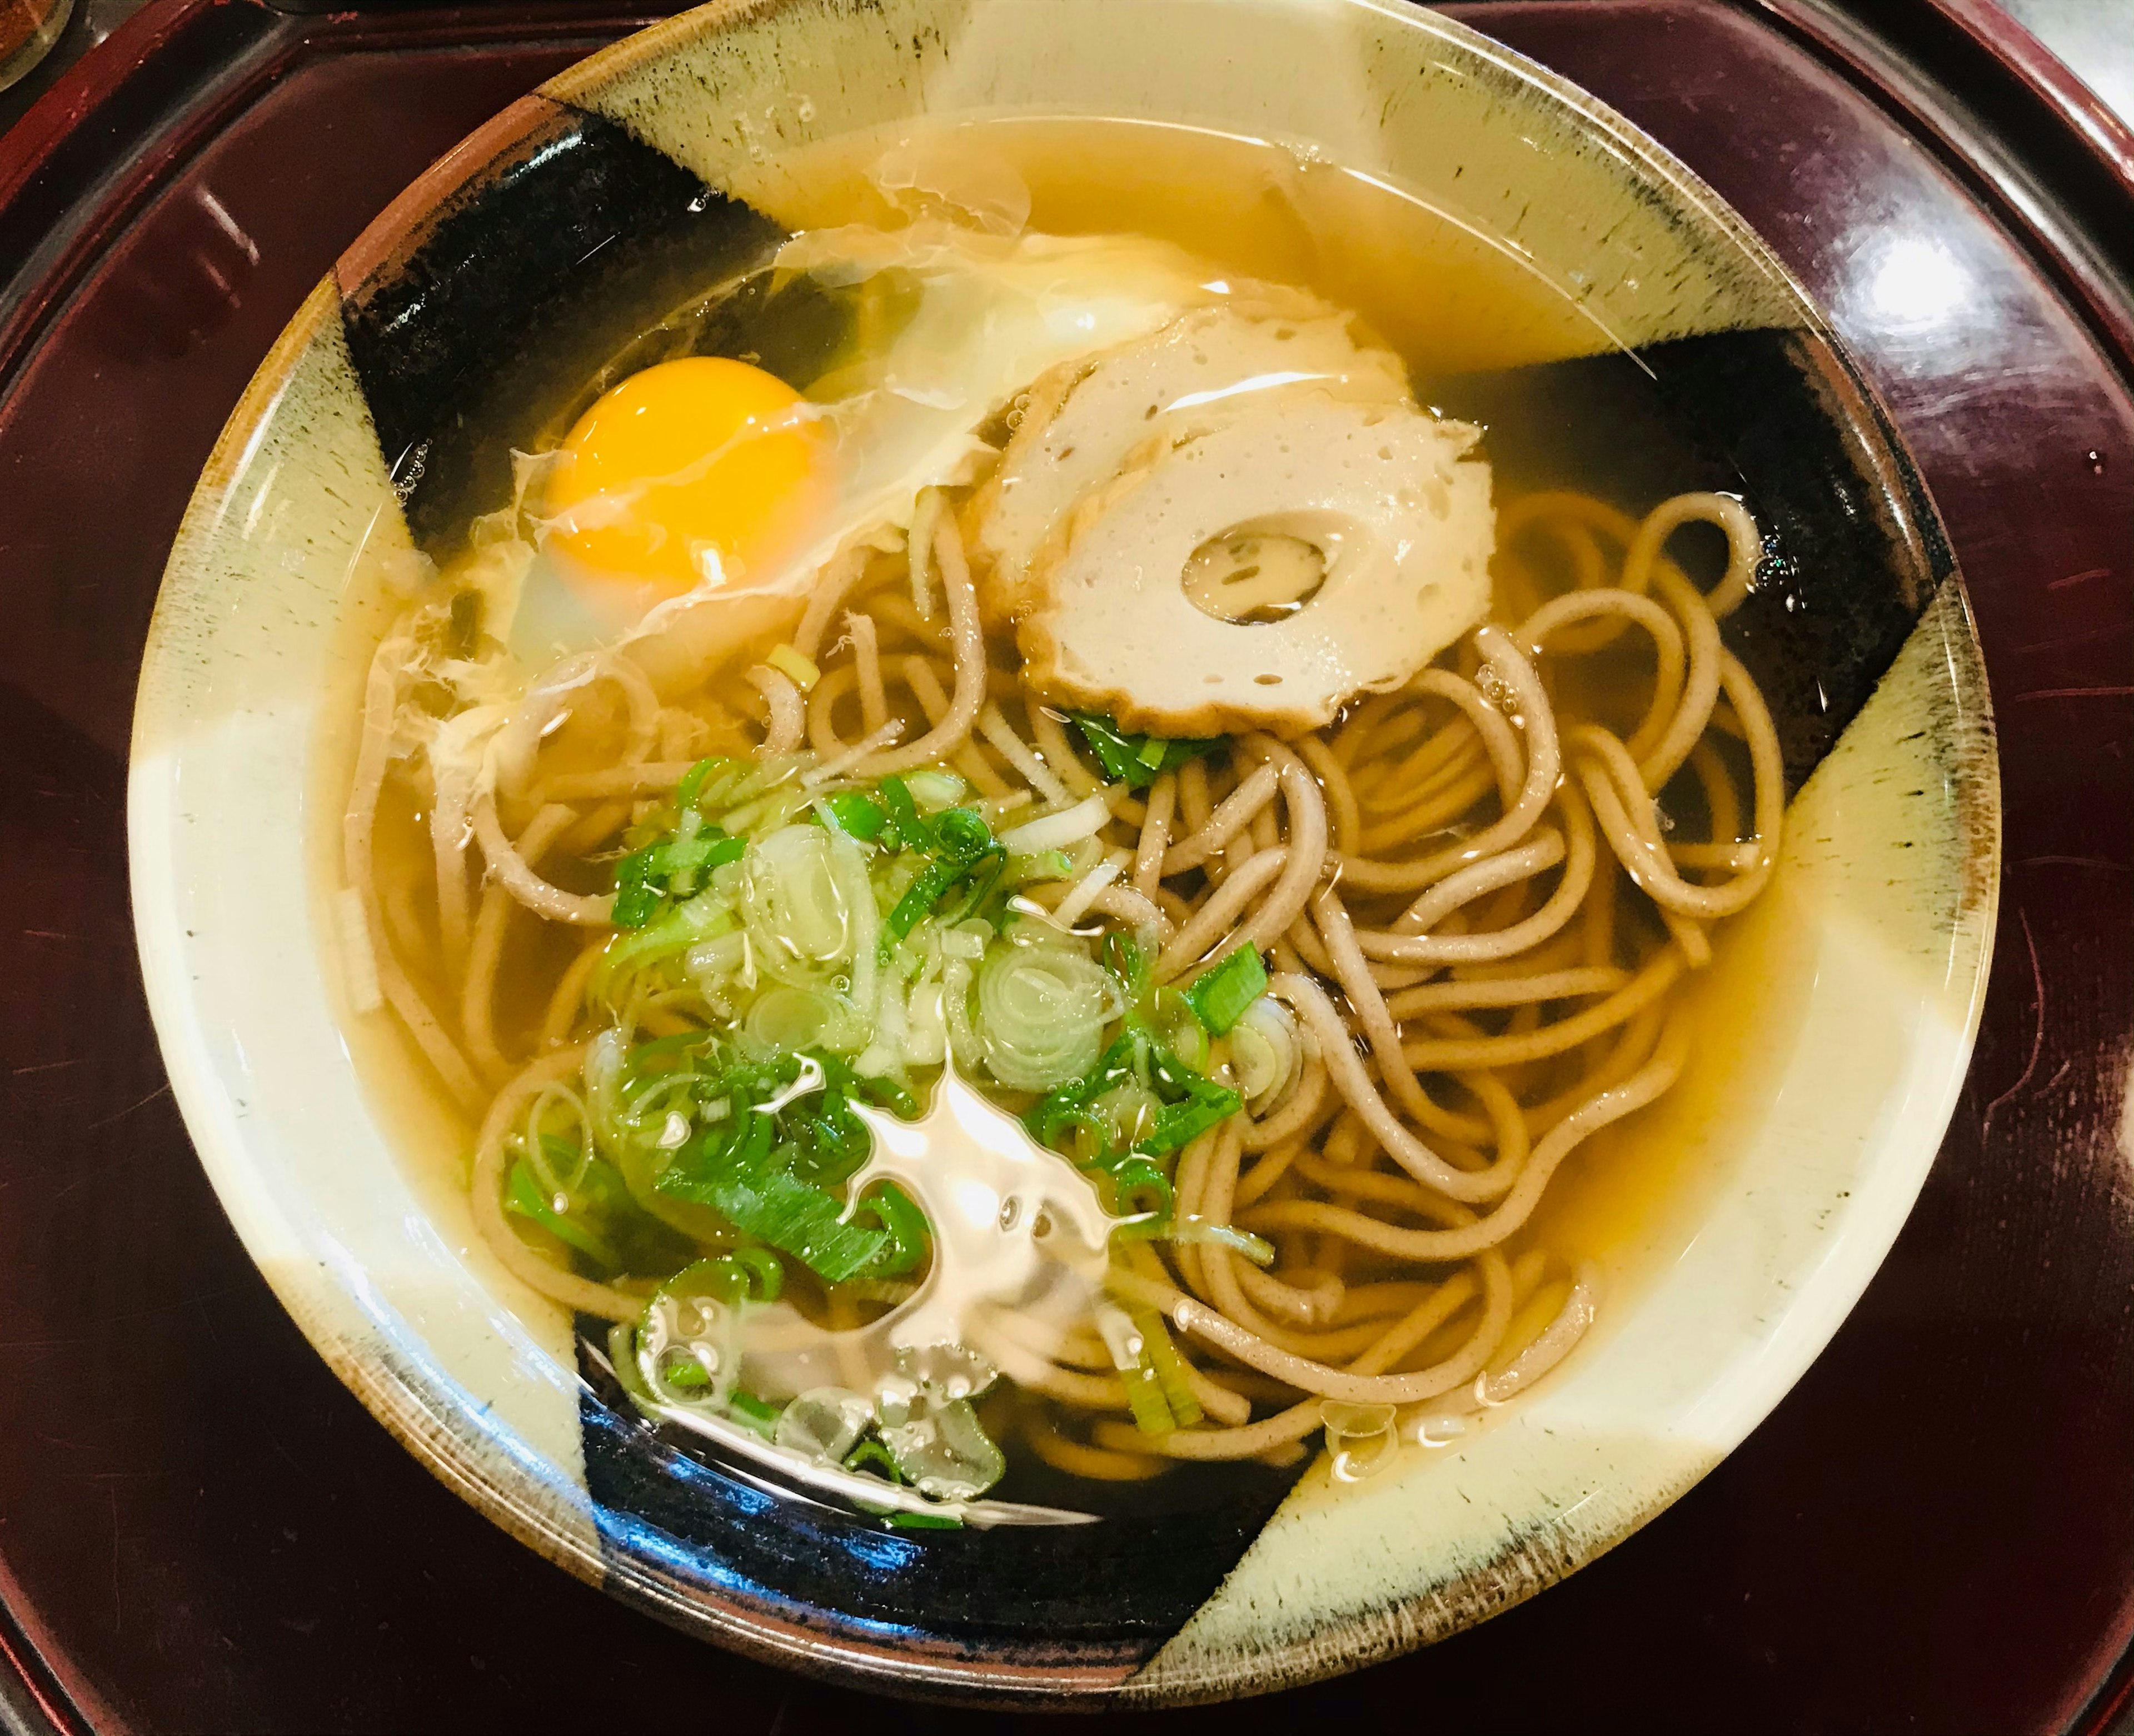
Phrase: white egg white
(993, 312)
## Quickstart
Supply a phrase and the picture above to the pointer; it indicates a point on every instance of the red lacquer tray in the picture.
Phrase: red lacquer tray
(201, 1529)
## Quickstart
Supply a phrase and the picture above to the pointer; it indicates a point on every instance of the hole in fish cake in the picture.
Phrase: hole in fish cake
(1252, 576)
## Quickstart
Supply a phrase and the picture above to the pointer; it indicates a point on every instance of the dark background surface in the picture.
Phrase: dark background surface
(200, 1530)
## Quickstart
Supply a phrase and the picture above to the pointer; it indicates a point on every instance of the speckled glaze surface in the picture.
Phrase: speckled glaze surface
(367, 427)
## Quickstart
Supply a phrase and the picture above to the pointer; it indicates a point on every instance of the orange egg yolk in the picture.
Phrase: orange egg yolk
(689, 468)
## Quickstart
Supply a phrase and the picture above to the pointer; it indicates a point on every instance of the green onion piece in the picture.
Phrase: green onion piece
(1208, 1105)
(857, 814)
(1191, 1103)
(693, 783)
(871, 1454)
(961, 834)
(1162, 1356)
(884, 1093)
(673, 868)
(924, 1521)
(746, 1408)
(1138, 1187)
(1178, 1025)
(1137, 761)
(1128, 960)
(670, 933)
(1145, 1398)
(984, 879)
(766, 1272)
(522, 1194)
(1047, 864)
(905, 1225)
(741, 1179)
(622, 1357)
(912, 831)
(929, 889)
(718, 1279)
(1222, 995)
(600, 1206)
(934, 788)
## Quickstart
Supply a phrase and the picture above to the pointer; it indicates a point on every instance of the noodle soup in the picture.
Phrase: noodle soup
(1021, 860)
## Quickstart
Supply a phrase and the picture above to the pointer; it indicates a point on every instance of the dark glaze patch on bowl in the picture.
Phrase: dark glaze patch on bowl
(472, 338)
(1853, 549)
(1055, 1597)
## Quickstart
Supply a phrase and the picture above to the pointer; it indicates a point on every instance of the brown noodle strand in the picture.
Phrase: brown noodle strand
(1451, 857)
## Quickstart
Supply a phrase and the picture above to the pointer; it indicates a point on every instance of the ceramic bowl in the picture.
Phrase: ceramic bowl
(538, 244)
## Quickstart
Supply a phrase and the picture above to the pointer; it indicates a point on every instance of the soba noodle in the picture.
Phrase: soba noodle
(1479, 916)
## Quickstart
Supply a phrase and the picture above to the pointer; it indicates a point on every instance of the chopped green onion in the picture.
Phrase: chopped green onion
(1177, 1026)
(961, 834)
(929, 889)
(857, 814)
(905, 1226)
(1127, 959)
(871, 1454)
(693, 783)
(622, 1357)
(1137, 761)
(1191, 1102)
(770, 1173)
(668, 934)
(957, 842)
(744, 1184)
(1047, 864)
(745, 1408)
(1141, 1189)
(523, 1195)
(764, 1269)
(944, 1451)
(1170, 1366)
(984, 882)
(912, 831)
(924, 1521)
(1222, 995)
(1145, 1399)
(648, 880)
(934, 789)
(1205, 1104)
(1126, 1338)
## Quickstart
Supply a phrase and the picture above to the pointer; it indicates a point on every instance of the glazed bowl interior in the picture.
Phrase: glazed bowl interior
(464, 322)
